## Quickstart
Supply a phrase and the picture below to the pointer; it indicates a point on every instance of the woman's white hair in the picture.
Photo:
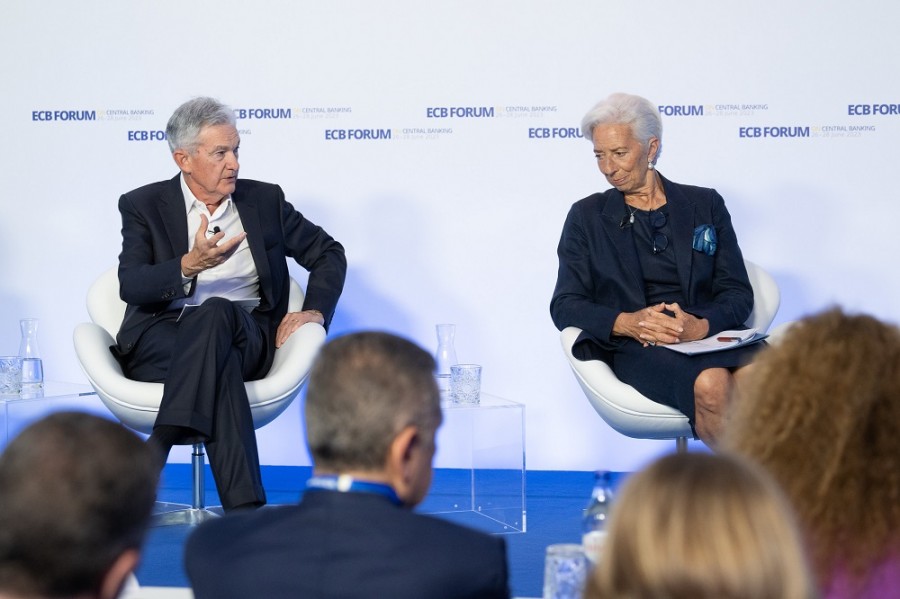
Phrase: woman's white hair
(626, 109)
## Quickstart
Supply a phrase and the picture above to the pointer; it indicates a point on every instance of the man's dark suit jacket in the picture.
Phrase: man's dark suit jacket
(600, 273)
(155, 237)
(343, 545)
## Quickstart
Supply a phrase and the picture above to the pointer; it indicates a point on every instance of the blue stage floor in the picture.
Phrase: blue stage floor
(554, 502)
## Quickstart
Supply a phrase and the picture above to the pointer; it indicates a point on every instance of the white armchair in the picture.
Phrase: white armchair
(136, 403)
(630, 413)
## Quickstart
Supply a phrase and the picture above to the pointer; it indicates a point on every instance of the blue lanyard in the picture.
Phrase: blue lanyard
(344, 483)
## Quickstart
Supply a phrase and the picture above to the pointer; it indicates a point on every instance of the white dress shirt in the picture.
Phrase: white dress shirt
(234, 279)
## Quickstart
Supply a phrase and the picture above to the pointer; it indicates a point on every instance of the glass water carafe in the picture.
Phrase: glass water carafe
(32, 366)
(445, 357)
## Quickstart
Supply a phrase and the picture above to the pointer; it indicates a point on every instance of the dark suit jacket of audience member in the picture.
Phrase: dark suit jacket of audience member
(155, 237)
(344, 545)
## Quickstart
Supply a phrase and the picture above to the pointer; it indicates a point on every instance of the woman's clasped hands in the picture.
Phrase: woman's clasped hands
(661, 323)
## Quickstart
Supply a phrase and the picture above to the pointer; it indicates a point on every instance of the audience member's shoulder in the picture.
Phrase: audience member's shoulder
(212, 534)
(460, 535)
(466, 554)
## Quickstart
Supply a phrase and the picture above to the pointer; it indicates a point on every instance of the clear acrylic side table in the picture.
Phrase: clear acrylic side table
(479, 477)
(17, 412)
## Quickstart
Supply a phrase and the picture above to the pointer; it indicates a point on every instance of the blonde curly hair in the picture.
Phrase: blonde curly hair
(820, 411)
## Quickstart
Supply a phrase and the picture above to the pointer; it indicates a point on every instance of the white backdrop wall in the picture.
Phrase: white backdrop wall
(454, 216)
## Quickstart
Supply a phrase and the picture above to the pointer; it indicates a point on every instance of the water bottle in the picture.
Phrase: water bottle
(32, 367)
(596, 516)
(445, 357)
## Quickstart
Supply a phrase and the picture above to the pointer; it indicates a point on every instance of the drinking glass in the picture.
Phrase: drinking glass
(465, 383)
(565, 571)
(10, 376)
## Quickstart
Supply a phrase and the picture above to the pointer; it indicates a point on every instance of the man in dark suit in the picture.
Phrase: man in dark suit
(207, 240)
(372, 411)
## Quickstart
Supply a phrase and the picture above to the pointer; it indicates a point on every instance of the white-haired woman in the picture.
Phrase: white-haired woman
(652, 262)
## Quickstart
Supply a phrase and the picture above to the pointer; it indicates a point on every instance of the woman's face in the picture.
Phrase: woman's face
(622, 159)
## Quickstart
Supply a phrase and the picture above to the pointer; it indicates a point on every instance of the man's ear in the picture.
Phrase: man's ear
(115, 577)
(183, 160)
(400, 461)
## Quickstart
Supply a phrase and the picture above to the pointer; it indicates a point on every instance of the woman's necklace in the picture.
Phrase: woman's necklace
(628, 219)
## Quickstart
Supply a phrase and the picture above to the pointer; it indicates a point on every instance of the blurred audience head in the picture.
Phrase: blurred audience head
(372, 409)
(701, 526)
(76, 493)
(820, 412)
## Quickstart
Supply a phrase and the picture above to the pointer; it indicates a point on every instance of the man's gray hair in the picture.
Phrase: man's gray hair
(363, 390)
(626, 109)
(191, 117)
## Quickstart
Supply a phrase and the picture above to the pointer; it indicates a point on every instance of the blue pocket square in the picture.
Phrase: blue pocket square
(705, 239)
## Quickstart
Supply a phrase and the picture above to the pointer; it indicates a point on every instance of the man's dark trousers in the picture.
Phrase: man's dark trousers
(203, 361)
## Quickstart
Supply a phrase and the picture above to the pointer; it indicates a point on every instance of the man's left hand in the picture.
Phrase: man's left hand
(293, 321)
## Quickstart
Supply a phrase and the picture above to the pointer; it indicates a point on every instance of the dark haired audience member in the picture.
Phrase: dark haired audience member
(76, 493)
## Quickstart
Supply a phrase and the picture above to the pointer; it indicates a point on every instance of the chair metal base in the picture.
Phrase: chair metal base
(681, 445)
(182, 514)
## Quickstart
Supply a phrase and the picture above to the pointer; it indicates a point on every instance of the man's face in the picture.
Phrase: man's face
(211, 169)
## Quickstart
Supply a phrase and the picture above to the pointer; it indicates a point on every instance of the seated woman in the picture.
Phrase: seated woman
(701, 526)
(820, 412)
(652, 262)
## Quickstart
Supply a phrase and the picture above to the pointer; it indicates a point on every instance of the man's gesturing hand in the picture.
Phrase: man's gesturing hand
(208, 252)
